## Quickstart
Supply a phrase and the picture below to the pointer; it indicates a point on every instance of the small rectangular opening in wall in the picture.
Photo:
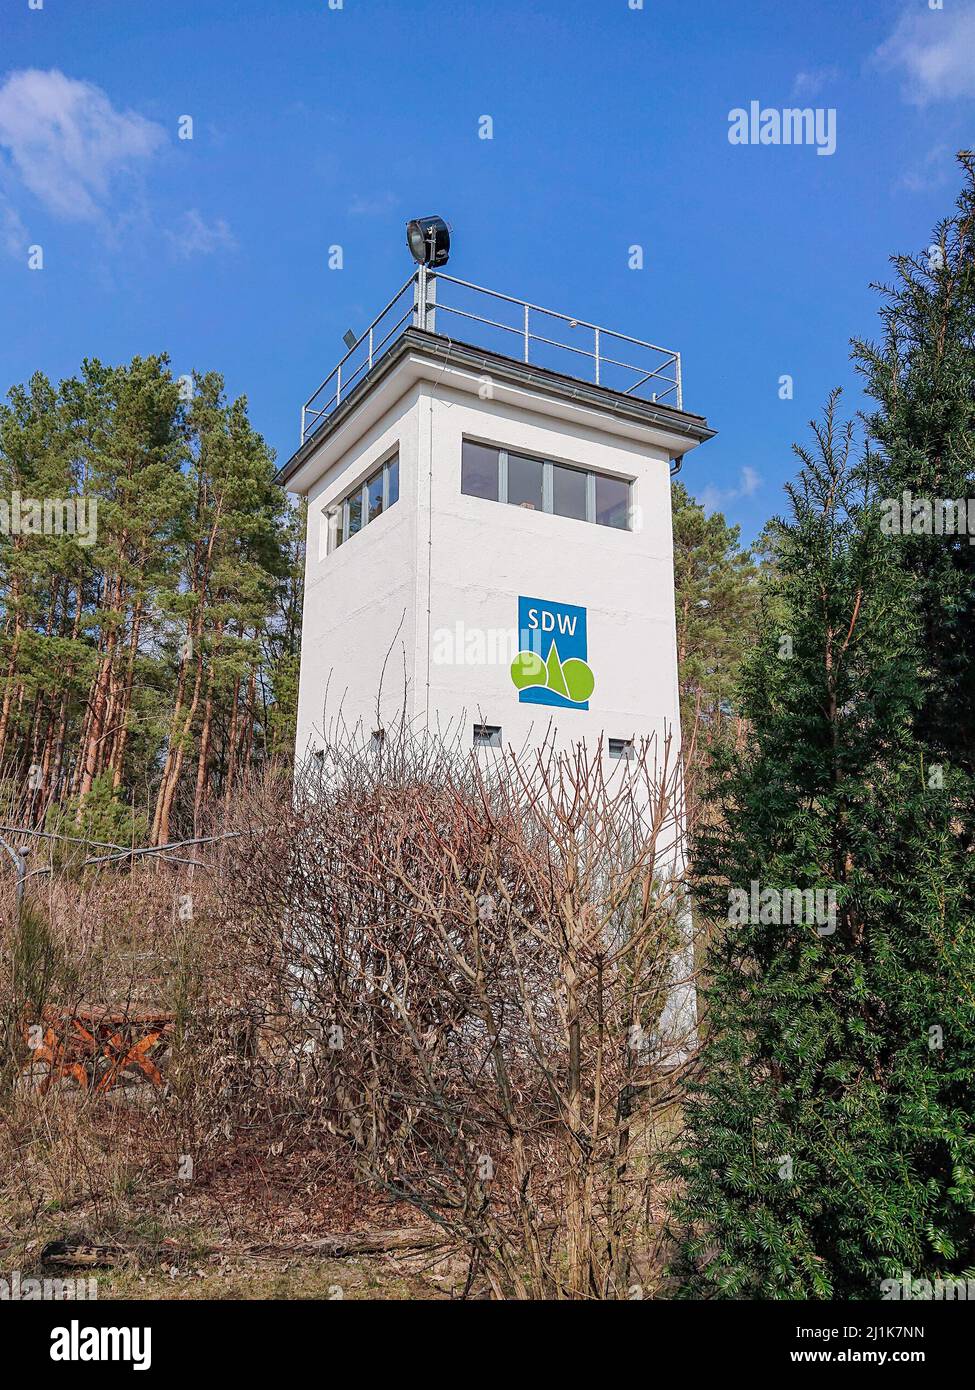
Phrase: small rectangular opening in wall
(621, 748)
(487, 736)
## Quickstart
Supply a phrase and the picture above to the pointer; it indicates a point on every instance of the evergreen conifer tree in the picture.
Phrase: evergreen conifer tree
(829, 1140)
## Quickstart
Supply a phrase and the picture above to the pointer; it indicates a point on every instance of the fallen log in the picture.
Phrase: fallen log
(78, 1254)
(382, 1242)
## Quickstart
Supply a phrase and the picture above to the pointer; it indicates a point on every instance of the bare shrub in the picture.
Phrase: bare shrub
(476, 975)
(414, 978)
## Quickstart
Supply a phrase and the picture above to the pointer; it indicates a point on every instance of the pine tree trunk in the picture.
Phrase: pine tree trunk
(88, 764)
(201, 762)
(117, 757)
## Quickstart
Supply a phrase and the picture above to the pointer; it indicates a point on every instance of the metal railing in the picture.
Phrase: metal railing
(541, 337)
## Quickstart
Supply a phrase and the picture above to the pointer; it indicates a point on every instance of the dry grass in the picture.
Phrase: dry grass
(113, 1167)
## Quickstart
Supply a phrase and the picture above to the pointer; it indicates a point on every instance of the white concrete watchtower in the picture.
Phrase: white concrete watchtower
(489, 526)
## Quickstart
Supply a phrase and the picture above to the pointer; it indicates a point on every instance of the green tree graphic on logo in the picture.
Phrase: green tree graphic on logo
(573, 679)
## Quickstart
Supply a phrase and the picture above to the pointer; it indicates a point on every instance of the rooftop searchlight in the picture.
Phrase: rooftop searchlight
(429, 241)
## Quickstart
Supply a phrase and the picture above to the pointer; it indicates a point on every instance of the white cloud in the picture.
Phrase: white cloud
(13, 233)
(933, 171)
(750, 482)
(810, 84)
(714, 499)
(67, 143)
(195, 237)
(935, 51)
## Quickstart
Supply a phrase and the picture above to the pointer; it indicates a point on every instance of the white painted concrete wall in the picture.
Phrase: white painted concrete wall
(438, 558)
(360, 607)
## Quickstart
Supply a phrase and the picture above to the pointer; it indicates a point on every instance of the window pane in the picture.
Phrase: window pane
(479, 471)
(524, 482)
(374, 491)
(335, 527)
(569, 491)
(355, 512)
(612, 502)
(393, 469)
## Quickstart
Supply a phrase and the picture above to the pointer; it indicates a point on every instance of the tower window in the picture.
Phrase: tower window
(487, 736)
(570, 488)
(612, 502)
(479, 471)
(363, 504)
(524, 482)
(541, 485)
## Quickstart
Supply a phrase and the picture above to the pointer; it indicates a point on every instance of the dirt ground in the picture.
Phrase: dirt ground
(247, 1229)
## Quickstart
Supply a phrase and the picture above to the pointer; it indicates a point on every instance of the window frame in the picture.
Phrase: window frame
(548, 484)
(336, 517)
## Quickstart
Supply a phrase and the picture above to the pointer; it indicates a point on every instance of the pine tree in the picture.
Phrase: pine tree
(156, 664)
(126, 432)
(283, 638)
(45, 661)
(716, 591)
(829, 1138)
(234, 558)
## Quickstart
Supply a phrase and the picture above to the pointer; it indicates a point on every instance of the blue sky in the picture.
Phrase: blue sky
(315, 126)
